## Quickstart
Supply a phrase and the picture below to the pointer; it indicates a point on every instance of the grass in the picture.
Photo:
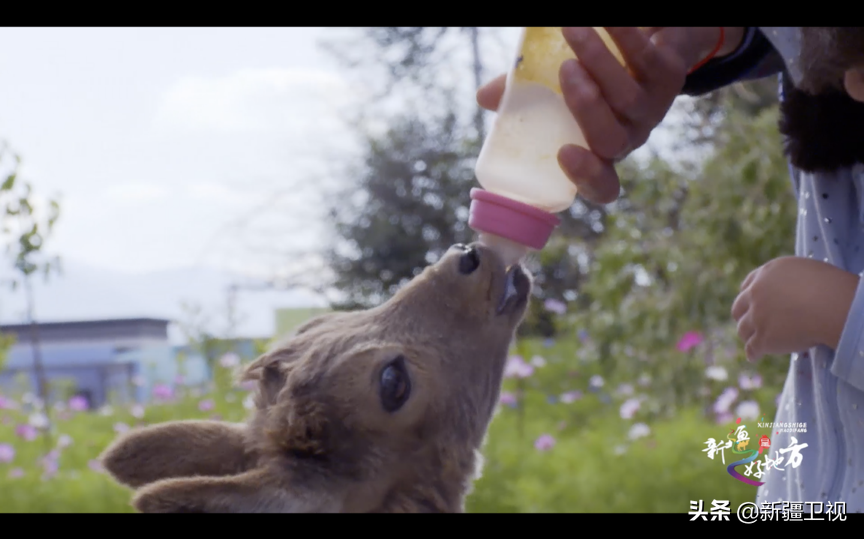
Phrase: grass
(593, 465)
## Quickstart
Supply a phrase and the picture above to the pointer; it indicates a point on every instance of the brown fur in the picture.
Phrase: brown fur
(320, 439)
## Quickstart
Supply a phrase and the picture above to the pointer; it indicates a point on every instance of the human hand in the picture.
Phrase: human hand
(616, 107)
(791, 304)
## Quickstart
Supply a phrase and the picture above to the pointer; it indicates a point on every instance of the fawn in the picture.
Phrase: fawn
(380, 410)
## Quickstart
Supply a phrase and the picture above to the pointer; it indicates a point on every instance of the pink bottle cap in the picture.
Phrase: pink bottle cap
(510, 219)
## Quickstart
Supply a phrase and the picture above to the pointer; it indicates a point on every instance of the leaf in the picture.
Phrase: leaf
(9, 183)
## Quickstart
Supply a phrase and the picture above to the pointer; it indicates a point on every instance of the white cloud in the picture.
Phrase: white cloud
(254, 100)
(135, 192)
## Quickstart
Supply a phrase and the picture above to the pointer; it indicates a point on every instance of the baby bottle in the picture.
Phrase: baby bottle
(523, 184)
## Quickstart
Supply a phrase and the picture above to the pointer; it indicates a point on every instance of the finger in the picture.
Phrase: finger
(746, 329)
(752, 350)
(661, 65)
(635, 46)
(620, 90)
(749, 279)
(740, 306)
(595, 179)
(603, 133)
(489, 96)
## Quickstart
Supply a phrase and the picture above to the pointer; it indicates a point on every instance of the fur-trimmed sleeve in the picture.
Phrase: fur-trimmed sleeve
(755, 58)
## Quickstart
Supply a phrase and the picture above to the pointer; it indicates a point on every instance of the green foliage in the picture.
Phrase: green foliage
(408, 206)
(677, 249)
(29, 229)
(6, 343)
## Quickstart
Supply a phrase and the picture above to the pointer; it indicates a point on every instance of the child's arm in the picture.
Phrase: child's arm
(848, 364)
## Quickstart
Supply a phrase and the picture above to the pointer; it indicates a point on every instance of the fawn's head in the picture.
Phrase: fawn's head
(379, 409)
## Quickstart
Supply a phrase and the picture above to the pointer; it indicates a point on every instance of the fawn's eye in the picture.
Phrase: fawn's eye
(395, 385)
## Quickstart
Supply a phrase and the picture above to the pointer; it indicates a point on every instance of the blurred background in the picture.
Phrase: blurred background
(175, 199)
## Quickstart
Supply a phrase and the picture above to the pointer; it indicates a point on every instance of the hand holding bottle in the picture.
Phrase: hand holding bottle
(617, 107)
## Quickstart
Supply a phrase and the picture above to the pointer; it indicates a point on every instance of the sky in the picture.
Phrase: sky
(180, 156)
(185, 159)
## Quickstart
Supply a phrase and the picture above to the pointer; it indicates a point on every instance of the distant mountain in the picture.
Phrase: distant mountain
(86, 293)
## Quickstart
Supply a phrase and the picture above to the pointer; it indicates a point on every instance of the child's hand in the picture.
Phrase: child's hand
(791, 304)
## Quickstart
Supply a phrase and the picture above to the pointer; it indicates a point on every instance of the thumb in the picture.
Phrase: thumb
(489, 96)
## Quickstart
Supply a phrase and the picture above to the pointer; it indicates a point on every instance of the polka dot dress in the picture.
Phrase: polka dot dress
(824, 392)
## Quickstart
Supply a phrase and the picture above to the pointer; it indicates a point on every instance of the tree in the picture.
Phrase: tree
(409, 205)
(26, 232)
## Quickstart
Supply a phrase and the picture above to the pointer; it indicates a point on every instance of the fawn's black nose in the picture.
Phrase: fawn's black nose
(469, 260)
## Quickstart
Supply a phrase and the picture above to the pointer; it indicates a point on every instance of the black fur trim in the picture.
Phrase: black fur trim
(822, 133)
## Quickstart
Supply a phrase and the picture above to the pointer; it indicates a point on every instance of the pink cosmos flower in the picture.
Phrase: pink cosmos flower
(95, 465)
(15, 473)
(28, 432)
(137, 411)
(725, 400)
(748, 410)
(538, 361)
(120, 428)
(7, 453)
(517, 368)
(50, 467)
(205, 405)
(162, 392)
(571, 396)
(507, 399)
(78, 403)
(555, 306)
(249, 385)
(689, 340)
(748, 382)
(629, 408)
(6, 404)
(639, 430)
(544, 443)
(229, 360)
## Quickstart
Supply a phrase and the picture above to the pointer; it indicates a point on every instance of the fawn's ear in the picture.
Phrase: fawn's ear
(270, 371)
(178, 449)
(251, 492)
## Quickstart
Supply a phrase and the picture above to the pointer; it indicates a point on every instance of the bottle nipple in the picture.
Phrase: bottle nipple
(519, 223)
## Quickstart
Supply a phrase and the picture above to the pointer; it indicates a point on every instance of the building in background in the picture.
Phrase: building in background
(96, 359)
(120, 360)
